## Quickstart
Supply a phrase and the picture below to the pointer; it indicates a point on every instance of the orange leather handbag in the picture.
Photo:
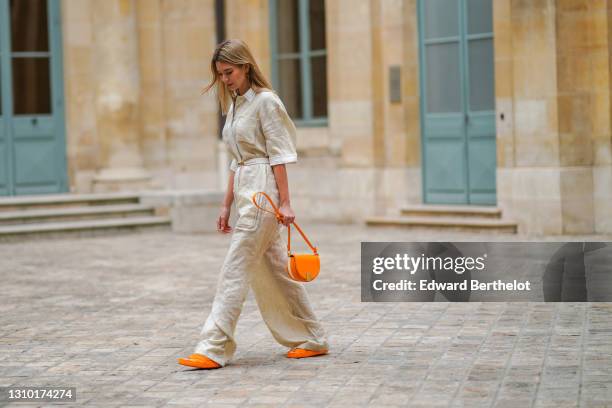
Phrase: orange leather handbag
(300, 267)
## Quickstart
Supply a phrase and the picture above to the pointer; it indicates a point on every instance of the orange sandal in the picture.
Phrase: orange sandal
(199, 361)
(303, 353)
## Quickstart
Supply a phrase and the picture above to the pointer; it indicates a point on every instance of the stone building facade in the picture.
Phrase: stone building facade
(530, 130)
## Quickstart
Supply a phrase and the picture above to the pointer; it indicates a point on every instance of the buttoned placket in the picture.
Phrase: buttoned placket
(236, 100)
(239, 101)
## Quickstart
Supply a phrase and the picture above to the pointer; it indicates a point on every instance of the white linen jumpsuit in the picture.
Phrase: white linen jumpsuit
(259, 134)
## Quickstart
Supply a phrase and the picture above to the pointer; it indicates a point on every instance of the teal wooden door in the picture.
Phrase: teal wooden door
(32, 135)
(457, 101)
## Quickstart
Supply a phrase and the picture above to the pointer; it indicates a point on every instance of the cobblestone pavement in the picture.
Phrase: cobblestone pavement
(110, 315)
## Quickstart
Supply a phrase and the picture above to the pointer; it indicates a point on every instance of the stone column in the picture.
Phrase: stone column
(117, 83)
(191, 131)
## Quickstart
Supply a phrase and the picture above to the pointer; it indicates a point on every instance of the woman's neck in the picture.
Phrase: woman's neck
(244, 90)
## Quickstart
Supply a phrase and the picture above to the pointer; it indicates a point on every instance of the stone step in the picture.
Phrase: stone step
(44, 215)
(446, 223)
(451, 211)
(65, 200)
(82, 227)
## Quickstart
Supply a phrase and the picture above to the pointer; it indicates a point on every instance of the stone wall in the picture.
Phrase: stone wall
(553, 90)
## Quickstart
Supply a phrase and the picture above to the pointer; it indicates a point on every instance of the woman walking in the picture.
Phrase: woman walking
(261, 138)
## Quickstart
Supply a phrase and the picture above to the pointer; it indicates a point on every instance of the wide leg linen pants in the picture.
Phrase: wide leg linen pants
(257, 258)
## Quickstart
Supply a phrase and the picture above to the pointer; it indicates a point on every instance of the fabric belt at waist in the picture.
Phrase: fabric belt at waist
(256, 160)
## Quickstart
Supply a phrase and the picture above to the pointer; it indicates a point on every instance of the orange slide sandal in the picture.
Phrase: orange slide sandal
(199, 361)
(303, 353)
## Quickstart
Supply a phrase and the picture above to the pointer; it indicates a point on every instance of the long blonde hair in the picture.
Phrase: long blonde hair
(234, 52)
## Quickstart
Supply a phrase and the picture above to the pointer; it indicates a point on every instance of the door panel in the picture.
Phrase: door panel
(450, 172)
(38, 176)
(441, 18)
(481, 150)
(31, 86)
(35, 155)
(479, 16)
(482, 85)
(443, 78)
(40, 155)
(480, 178)
(457, 101)
(444, 144)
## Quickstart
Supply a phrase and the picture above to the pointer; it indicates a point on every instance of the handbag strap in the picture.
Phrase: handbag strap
(280, 218)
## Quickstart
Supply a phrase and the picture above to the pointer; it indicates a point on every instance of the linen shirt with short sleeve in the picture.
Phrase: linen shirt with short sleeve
(258, 126)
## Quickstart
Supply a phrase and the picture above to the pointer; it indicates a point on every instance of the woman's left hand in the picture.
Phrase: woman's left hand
(287, 214)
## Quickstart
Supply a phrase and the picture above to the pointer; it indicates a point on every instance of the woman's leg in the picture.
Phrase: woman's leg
(283, 302)
(217, 336)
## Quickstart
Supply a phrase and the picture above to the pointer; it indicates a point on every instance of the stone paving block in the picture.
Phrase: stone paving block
(460, 402)
(561, 376)
(428, 402)
(555, 403)
(478, 389)
(486, 372)
(436, 392)
(517, 390)
(598, 390)
(512, 403)
(393, 395)
(596, 404)
(557, 394)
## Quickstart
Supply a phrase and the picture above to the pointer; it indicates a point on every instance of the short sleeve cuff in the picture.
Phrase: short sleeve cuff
(283, 159)
(234, 165)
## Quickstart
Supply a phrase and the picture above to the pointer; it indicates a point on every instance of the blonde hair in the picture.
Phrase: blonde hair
(234, 52)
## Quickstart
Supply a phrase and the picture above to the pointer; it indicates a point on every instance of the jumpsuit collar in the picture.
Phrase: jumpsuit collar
(248, 95)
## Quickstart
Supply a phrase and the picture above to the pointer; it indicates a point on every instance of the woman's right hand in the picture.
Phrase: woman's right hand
(223, 221)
